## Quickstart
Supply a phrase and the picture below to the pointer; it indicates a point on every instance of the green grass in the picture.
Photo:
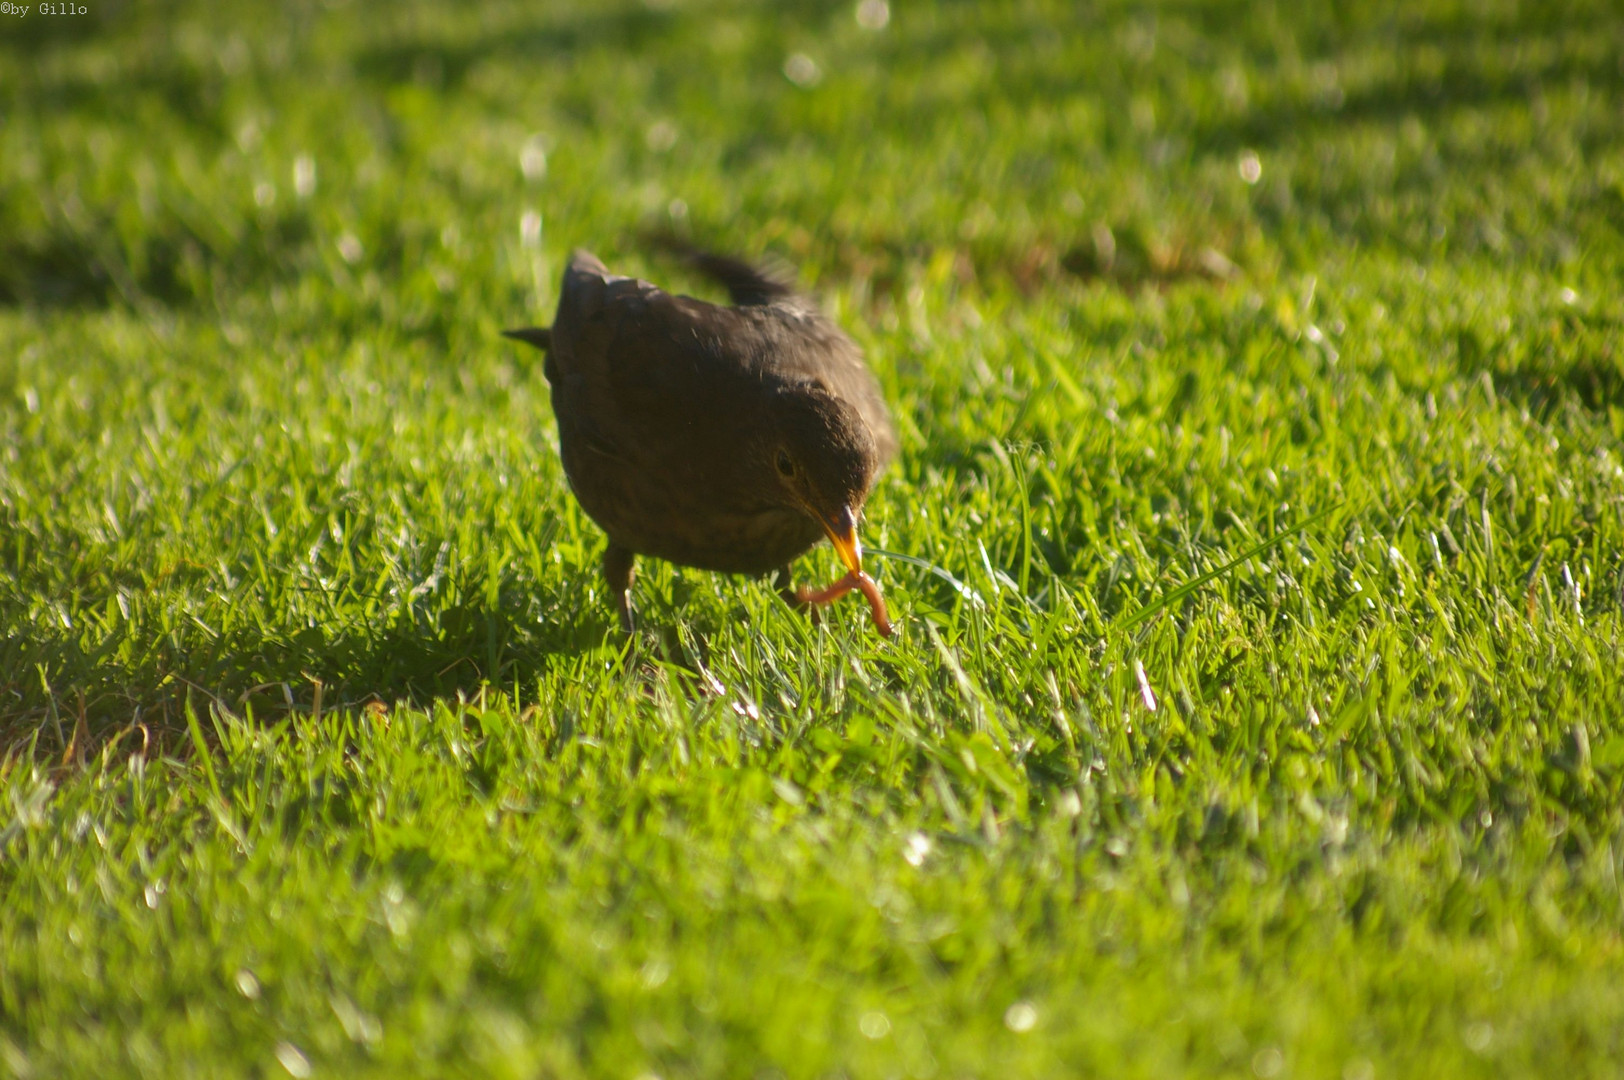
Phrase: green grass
(322, 755)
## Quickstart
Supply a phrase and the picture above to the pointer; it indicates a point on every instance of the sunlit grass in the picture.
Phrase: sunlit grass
(1257, 547)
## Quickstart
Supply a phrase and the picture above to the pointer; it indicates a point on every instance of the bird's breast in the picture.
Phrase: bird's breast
(654, 511)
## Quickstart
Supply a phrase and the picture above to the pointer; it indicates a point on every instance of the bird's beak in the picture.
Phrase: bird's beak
(842, 530)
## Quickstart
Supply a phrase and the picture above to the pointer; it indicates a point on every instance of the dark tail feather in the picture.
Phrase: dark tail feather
(746, 283)
(539, 336)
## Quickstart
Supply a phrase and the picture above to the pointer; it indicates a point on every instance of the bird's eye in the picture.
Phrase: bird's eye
(786, 467)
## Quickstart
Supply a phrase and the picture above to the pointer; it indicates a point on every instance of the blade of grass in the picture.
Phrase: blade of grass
(960, 587)
(1157, 606)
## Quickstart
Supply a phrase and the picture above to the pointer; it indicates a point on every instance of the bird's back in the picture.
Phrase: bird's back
(637, 357)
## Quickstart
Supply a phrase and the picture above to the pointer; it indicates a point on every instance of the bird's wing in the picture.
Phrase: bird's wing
(643, 367)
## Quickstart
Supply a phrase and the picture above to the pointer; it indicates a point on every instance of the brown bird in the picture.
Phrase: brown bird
(726, 438)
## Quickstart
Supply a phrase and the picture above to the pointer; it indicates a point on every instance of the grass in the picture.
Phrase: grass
(323, 756)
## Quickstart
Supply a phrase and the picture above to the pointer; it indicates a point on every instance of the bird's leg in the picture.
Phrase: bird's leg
(618, 570)
(785, 584)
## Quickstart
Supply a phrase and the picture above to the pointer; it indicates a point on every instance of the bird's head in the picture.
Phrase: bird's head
(823, 458)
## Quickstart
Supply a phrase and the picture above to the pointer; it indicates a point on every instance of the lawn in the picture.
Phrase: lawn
(1258, 702)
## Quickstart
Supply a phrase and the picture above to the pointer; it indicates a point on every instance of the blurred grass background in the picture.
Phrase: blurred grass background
(322, 753)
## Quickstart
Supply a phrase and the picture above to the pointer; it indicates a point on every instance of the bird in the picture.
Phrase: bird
(726, 437)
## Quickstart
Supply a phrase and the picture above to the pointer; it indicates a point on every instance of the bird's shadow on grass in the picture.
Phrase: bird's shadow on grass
(461, 649)
(60, 687)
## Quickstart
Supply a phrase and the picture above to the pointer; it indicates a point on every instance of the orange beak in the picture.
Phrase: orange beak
(842, 530)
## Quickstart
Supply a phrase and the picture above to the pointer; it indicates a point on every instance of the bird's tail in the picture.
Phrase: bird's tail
(746, 283)
(539, 336)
